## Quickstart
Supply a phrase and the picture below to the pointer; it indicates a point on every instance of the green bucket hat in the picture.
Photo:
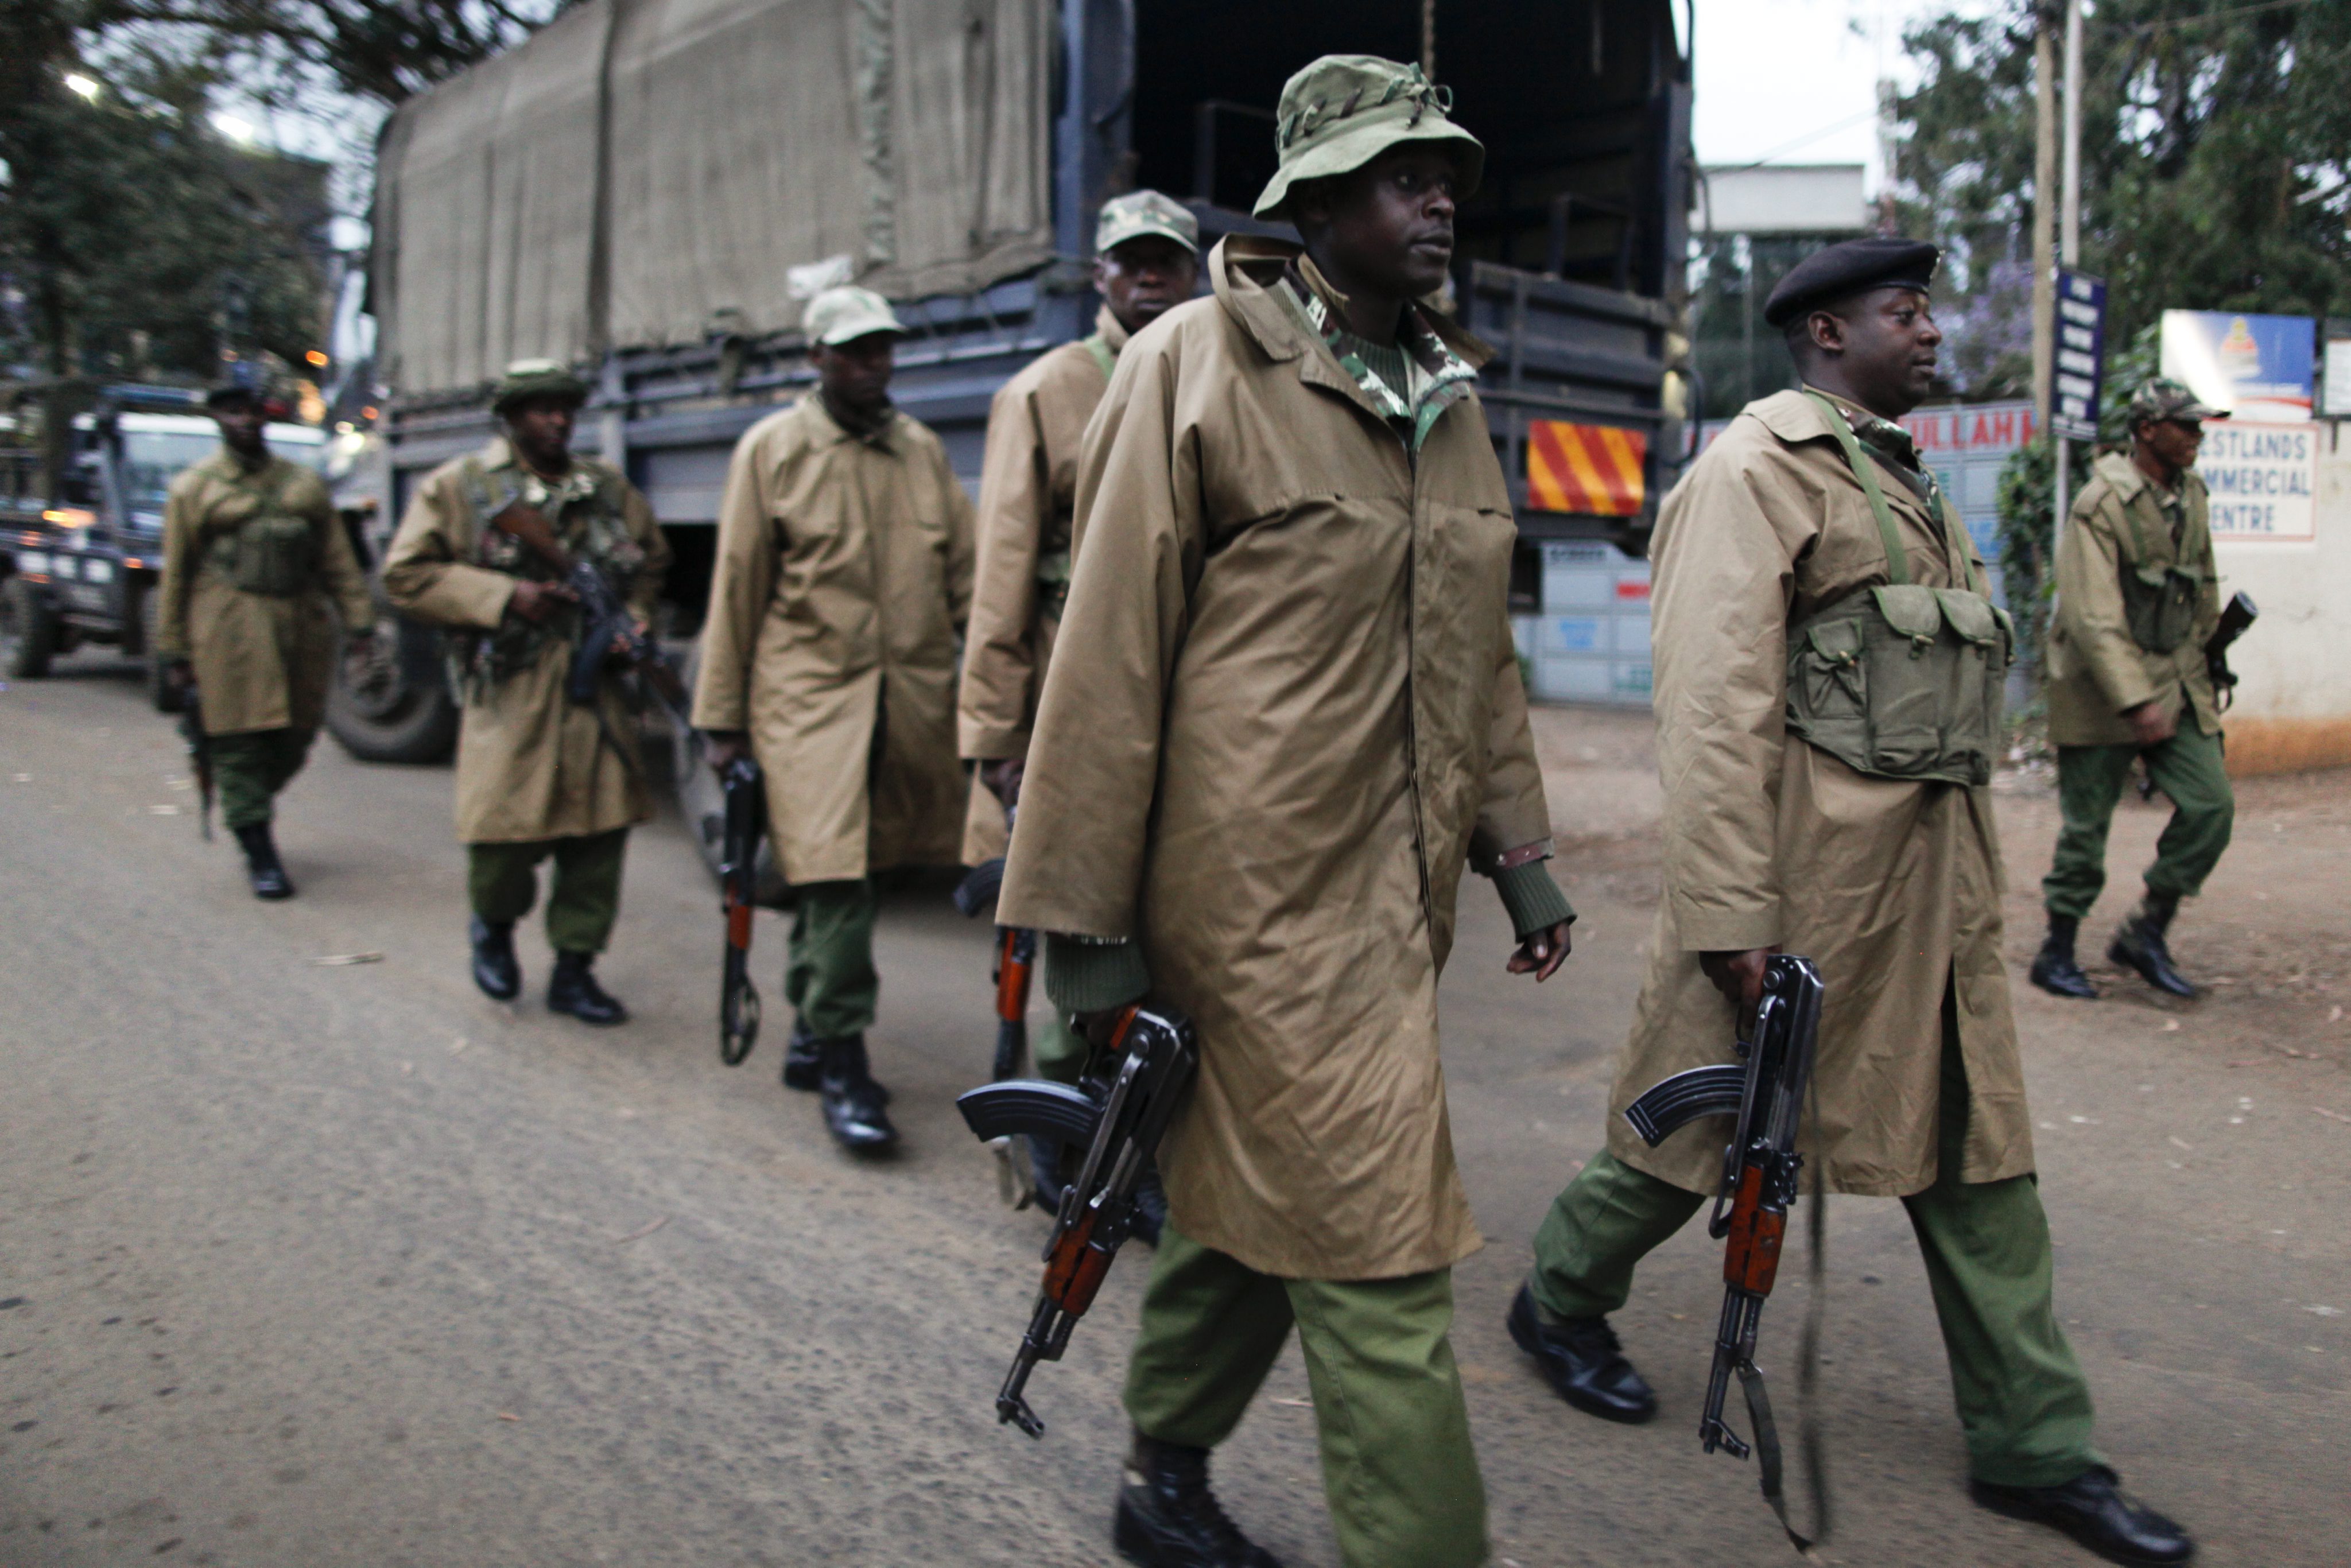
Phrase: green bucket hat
(1141, 212)
(1343, 111)
(841, 315)
(527, 379)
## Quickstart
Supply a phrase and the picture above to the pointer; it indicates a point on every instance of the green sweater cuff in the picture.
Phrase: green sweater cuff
(1534, 901)
(1088, 977)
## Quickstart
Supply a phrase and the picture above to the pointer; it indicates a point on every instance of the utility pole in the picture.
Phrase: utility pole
(2069, 238)
(2044, 209)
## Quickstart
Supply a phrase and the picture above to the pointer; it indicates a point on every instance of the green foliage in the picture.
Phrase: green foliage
(2027, 540)
(2215, 165)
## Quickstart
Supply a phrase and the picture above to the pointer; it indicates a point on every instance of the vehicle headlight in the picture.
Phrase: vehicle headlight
(98, 568)
(32, 560)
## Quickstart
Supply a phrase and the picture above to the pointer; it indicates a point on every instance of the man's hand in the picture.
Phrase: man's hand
(1003, 779)
(2152, 722)
(1542, 954)
(720, 747)
(1739, 978)
(179, 677)
(1098, 1027)
(359, 655)
(535, 601)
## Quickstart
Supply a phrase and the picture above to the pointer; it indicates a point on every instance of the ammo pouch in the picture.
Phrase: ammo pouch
(1901, 681)
(275, 554)
(2159, 600)
(272, 552)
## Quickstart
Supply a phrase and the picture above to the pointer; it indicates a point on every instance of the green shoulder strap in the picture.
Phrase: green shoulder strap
(1098, 347)
(1955, 540)
(1897, 560)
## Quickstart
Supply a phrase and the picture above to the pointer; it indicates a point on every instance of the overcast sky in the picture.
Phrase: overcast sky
(1774, 73)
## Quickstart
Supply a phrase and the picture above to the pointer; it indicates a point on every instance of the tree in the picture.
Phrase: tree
(2215, 165)
(133, 238)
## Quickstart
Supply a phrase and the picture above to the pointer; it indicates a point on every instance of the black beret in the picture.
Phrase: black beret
(232, 394)
(1848, 267)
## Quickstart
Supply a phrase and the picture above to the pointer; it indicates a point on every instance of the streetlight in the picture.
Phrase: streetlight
(86, 88)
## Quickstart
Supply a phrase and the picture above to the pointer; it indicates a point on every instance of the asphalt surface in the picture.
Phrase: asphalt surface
(310, 1263)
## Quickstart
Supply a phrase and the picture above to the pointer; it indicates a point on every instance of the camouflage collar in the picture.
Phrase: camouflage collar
(1437, 377)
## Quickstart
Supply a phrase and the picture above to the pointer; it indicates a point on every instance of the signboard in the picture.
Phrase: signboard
(2263, 479)
(2338, 377)
(2255, 367)
(2080, 371)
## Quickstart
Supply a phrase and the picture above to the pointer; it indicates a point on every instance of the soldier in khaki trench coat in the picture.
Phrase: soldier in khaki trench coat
(252, 555)
(1146, 262)
(1283, 715)
(2138, 598)
(1890, 885)
(539, 775)
(844, 578)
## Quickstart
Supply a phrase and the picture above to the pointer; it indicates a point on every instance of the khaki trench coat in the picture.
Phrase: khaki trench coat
(843, 577)
(531, 763)
(1892, 888)
(2095, 668)
(1028, 493)
(1284, 712)
(262, 660)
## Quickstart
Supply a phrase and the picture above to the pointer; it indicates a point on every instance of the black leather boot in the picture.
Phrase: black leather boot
(2053, 968)
(262, 866)
(1582, 1362)
(803, 1065)
(2140, 944)
(2094, 1510)
(573, 989)
(496, 969)
(854, 1102)
(1167, 1517)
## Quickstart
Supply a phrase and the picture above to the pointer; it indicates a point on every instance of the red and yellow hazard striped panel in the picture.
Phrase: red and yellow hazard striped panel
(1590, 468)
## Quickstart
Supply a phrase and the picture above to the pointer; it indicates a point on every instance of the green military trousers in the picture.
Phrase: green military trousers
(2090, 779)
(1058, 1050)
(829, 974)
(1398, 1467)
(2023, 1402)
(583, 898)
(248, 769)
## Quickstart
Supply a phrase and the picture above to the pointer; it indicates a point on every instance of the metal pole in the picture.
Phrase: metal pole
(2069, 237)
(2045, 210)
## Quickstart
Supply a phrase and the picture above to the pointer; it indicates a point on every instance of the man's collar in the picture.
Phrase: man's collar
(1245, 270)
(832, 430)
(1113, 331)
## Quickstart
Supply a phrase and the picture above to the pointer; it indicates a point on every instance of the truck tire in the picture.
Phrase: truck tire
(405, 714)
(29, 630)
(167, 697)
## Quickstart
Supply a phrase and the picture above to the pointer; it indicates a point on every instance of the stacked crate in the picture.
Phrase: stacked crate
(1590, 643)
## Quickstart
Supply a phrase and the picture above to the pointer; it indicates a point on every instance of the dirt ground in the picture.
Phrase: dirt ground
(306, 1262)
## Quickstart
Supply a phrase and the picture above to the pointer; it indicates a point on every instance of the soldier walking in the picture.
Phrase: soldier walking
(2138, 598)
(539, 777)
(843, 577)
(253, 556)
(1824, 800)
(1283, 712)
(1146, 262)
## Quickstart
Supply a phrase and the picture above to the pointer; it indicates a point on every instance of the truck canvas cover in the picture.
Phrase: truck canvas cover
(641, 167)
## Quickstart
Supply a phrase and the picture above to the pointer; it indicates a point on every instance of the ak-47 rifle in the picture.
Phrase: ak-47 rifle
(1759, 1168)
(1118, 1121)
(738, 885)
(607, 625)
(2235, 620)
(200, 757)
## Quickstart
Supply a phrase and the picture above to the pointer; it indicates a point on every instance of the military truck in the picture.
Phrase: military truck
(84, 470)
(652, 189)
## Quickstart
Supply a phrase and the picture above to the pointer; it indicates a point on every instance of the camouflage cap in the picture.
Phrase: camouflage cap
(2164, 398)
(1343, 111)
(527, 379)
(844, 314)
(1141, 212)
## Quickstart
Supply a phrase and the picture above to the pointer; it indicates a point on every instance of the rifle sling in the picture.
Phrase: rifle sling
(1770, 1468)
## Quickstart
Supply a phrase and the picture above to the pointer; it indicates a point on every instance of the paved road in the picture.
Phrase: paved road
(307, 1264)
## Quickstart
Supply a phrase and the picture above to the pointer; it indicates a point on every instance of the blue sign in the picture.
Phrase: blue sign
(2254, 367)
(2079, 374)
